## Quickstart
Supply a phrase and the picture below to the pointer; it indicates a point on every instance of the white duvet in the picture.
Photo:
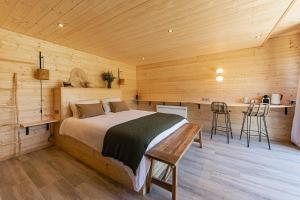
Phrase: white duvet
(91, 131)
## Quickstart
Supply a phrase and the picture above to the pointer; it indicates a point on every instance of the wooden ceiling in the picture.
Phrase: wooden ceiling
(136, 31)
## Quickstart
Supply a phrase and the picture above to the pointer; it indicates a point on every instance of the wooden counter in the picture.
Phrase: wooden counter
(228, 104)
(279, 120)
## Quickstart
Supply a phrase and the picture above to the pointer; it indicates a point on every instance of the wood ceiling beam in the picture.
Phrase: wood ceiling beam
(279, 20)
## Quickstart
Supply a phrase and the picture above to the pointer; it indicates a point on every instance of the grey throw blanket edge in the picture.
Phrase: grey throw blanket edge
(128, 141)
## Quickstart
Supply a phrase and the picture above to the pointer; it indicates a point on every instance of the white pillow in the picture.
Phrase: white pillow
(74, 108)
(105, 103)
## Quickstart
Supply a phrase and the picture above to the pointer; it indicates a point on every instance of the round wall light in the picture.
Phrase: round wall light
(219, 78)
(220, 71)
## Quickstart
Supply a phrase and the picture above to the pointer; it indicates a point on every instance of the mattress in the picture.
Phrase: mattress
(91, 131)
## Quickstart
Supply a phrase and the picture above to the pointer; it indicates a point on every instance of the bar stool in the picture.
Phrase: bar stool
(220, 108)
(258, 111)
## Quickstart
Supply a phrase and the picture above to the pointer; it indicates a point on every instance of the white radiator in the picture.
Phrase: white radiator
(178, 110)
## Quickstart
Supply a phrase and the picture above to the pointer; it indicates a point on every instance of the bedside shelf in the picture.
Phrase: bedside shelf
(47, 122)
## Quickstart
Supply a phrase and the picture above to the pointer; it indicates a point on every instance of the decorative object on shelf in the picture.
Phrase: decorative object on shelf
(276, 99)
(42, 73)
(246, 100)
(266, 99)
(109, 77)
(121, 81)
(219, 77)
(255, 100)
(78, 78)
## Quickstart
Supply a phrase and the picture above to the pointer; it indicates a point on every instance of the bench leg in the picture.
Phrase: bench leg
(163, 182)
(149, 179)
(174, 182)
(199, 139)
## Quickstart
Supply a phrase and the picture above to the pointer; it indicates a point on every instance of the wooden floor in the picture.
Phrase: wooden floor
(218, 171)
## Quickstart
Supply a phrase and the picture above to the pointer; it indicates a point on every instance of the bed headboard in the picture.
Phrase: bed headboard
(64, 95)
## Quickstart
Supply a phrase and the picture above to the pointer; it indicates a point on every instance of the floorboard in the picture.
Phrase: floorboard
(218, 171)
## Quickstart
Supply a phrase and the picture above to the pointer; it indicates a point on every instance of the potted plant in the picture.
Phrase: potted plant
(109, 77)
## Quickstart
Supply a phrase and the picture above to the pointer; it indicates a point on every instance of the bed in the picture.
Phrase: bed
(83, 138)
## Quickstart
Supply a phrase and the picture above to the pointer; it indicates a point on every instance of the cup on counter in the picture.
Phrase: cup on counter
(246, 100)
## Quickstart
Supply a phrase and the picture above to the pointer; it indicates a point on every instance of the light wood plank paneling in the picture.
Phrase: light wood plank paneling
(127, 30)
(273, 68)
(19, 53)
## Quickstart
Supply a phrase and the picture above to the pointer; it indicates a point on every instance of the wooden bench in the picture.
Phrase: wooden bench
(170, 151)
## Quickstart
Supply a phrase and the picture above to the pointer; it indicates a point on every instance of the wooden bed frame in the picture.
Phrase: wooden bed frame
(81, 151)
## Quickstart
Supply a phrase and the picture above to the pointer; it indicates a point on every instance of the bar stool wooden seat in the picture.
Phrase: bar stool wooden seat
(258, 111)
(221, 108)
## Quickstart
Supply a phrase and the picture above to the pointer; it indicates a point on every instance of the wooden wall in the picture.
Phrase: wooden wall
(19, 53)
(252, 72)
(249, 72)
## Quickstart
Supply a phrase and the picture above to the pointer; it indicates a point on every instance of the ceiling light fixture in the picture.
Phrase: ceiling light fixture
(60, 25)
(170, 30)
(258, 36)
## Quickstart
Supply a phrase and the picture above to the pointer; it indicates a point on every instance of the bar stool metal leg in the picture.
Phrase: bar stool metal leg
(266, 129)
(229, 120)
(248, 130)
(212, 126)
(247, 124)
(227, 129)
(243, 124)
(259, 128)
(216, 123)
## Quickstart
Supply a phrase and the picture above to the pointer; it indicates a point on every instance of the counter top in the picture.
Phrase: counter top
(229, 104)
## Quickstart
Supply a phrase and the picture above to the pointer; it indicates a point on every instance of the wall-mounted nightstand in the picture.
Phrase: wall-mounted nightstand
(47, 122)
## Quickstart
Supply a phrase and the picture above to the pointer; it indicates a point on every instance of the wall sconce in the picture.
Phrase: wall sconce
(41, 73)
(121, 81)
(219, 77)
(220, 71)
